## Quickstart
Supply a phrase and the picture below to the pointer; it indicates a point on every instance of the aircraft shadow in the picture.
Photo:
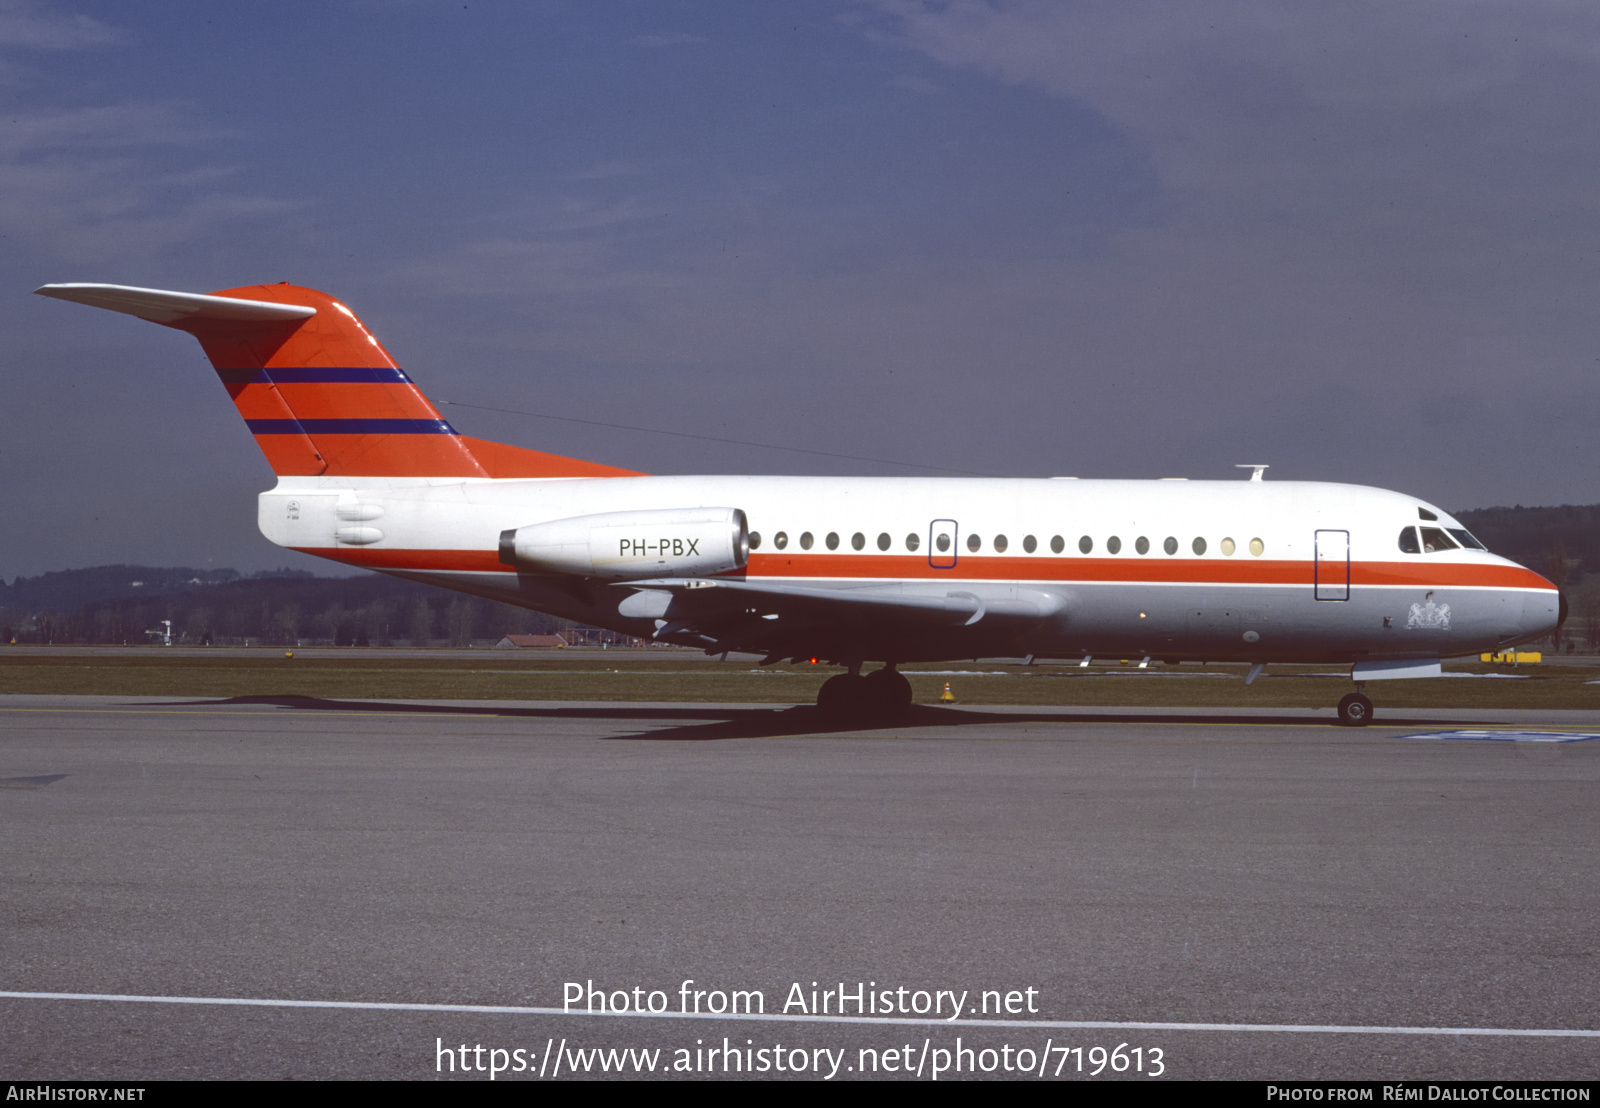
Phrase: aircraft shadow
(707, 723)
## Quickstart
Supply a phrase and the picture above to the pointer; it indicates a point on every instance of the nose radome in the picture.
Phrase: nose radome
(1542, 612)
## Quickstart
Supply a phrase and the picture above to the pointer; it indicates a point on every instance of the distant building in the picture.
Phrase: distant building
(533, 640)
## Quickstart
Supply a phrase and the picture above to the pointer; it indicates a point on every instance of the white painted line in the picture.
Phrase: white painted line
(1068, 1025)
(1511, 736)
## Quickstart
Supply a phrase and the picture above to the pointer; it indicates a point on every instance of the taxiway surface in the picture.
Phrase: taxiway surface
(1249, 869)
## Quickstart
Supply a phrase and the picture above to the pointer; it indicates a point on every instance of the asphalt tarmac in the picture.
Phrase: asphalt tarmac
(1310, 901)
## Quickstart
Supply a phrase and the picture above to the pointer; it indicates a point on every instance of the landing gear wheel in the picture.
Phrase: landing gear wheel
(887, 692)
(1355, 710)
(842, 696)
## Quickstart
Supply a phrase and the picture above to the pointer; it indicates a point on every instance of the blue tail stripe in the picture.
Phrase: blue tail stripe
(349, 427)
(315, 375)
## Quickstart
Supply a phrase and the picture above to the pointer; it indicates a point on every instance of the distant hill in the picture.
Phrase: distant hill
(64, 590)
(121, 604)
(1530, 536)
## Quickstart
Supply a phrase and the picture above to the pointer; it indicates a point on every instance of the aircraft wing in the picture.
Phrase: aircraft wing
(780, 619)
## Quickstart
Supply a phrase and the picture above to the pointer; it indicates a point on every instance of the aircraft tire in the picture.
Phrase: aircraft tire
(1355, 710)
(842, 697)
(888, 693)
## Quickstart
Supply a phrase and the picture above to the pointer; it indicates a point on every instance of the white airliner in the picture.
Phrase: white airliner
(848, 570)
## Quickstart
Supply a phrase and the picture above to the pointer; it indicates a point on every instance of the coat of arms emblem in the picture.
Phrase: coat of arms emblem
(1430, 616)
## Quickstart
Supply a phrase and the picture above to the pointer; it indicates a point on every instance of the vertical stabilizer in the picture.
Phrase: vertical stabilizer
(318, 391)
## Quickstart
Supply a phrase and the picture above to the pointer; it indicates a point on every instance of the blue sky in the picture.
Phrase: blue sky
(1357, 241)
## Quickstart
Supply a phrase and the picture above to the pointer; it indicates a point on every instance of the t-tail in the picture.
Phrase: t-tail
(321, 395)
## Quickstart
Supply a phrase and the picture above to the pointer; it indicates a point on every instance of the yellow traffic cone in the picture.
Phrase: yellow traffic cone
(947, 697)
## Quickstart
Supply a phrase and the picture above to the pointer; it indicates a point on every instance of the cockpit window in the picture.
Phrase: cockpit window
(1408, 541)
(1423, 513)
(1434, 539)
(1466, 538)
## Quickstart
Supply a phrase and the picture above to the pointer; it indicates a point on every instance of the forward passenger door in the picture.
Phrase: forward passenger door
(1331, 571)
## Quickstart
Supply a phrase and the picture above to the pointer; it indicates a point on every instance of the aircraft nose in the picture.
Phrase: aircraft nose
(1542, 612)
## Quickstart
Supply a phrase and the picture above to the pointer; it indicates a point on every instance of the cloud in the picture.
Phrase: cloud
(114, 180)
(1310, 109)
(28, 132)
(21, 25)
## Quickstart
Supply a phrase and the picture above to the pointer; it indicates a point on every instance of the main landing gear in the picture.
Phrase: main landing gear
(1355, 710)
(882, 694)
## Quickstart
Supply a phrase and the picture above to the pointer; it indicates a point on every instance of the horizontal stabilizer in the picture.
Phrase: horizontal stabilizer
(161, 306)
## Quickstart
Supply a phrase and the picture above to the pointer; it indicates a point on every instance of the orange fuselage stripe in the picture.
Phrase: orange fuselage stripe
(1126, 571)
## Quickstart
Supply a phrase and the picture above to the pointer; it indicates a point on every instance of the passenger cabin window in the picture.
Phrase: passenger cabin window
(1408, 541)
(755, 540)
(1198, 546)
(806, 540)
(1029, 544)
(913, 541)
(1142, 545)
(1000, 544)
(1114, 545)
(1434, 539)
(1227, 548)
(832, 540)
(973, 543)
(884, 540)
(858, 541)
(1085, 544)
(1257, 547)
(1171, 545)
(781, 539)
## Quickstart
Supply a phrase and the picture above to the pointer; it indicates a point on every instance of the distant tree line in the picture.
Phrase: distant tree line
(282, 609)
(1563, 543)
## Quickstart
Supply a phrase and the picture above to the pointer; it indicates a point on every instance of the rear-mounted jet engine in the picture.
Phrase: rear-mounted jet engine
(628, 546)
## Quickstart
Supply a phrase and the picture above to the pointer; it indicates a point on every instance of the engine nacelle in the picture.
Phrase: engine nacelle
(623, 546)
